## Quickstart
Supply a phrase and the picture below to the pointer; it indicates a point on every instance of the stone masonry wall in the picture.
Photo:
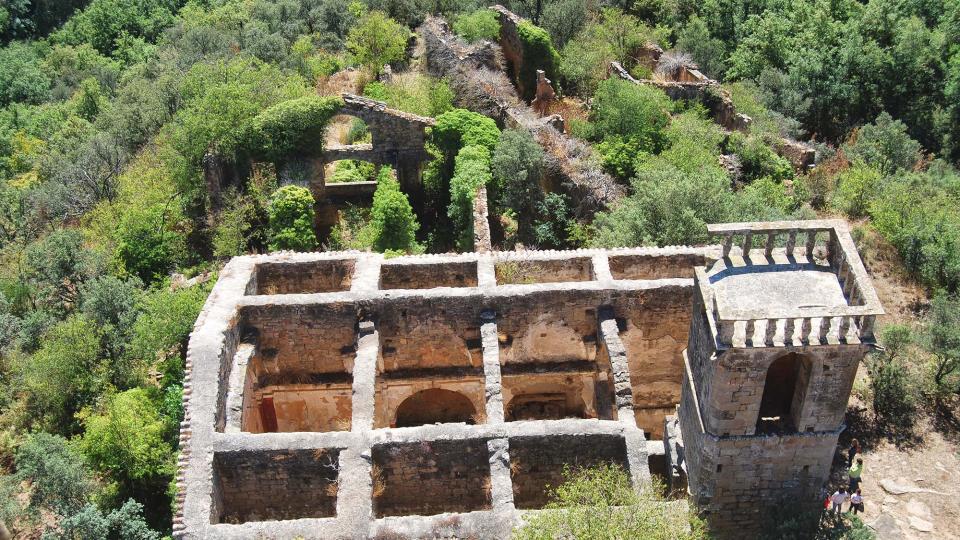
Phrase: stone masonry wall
(275, 485)
(428, 276)
(296, 339)
(431, 477)
(322, 276)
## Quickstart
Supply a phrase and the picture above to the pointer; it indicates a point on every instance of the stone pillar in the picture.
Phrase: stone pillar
(501, 485)
(238, 380)
(623, 391)
(491, 368)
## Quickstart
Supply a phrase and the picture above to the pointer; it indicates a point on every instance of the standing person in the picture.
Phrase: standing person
(852, 452)
(855, 473)
(838, 498)
(856, 502)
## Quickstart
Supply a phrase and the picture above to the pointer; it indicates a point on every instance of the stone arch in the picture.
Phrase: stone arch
(433, 406)
(784, 389)
(397, 139)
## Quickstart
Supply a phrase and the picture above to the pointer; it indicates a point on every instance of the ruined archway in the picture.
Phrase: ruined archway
(435, 406)
(783, 392)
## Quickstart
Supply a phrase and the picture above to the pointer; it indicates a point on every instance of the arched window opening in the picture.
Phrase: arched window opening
(435, 406)
(783, 394)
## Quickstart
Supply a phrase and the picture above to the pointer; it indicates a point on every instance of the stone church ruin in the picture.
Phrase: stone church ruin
(345, 395)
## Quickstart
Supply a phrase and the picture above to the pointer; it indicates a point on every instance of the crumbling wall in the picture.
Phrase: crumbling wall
(277, 484)
(431, 477)
(303, 340)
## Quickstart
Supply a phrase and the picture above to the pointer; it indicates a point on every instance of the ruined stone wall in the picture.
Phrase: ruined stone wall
(278, 484)
(545, 271)
(428, 276)
(303, 340)
(322, 276)
(393, 391)
(511, 45)
(301, 407)
(485, 89)
(653, 267)
(430, 335)
(431, 477)
(537, 463)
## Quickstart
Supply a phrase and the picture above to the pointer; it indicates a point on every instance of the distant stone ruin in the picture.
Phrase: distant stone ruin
(398, 140)
(341, 395)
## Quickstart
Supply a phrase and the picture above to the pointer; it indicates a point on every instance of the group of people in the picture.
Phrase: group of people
(851, 494)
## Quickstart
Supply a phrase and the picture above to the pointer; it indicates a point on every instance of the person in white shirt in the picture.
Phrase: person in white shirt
(856, 502)
(838, 498)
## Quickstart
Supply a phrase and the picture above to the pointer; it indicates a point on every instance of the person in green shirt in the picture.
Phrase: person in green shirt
(855, 473)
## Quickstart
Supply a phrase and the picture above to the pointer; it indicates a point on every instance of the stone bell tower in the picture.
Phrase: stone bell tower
(779, 326)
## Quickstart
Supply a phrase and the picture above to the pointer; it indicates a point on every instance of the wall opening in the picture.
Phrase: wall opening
(537, 463)
(430, 477)
(435, 406)
(274, 485)
(779, 410)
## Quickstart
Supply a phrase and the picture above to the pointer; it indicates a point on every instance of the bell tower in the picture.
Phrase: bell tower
(780, 324)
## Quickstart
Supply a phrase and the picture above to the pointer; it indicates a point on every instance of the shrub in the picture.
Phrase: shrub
(599, 502)
(941, 338)
(147, 247)
(891, 382)
(856, 186)
(393, 224)
(58, 477)
(538, 53)
(293, 128)
(884, 145)
(291, 219)
(377, 40)
(636, 112)
(481, 24)
(669, 206)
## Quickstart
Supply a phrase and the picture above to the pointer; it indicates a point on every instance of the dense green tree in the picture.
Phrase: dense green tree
(58, 477)
(884, 145)
(148, 245)
(103, 23)
(293, 128)
(708, 52)
(291, 219)
(125, 441)
(113, 304)
(855, 188)
(160, 333)
(563, 19)
(516, 166)
(941, 338)
(636, 112)
(393, 224)
(22, 78)
(124, 523)
(56, 266)
(377, 40)
(65, 375)
(471, 170)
